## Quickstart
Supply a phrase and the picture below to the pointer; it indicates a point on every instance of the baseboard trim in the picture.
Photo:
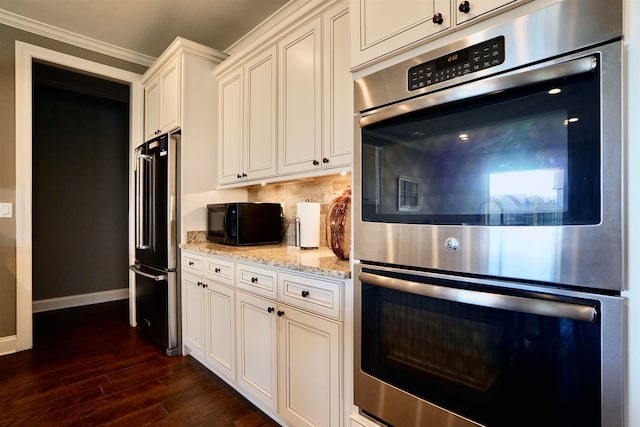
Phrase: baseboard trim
(8, 345)
(79, 300)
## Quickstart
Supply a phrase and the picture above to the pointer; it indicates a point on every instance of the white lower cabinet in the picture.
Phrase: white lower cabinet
(309, 368)
(192, 323)
(220, 327)
(192, 305)
(256, 338)
(274, 334)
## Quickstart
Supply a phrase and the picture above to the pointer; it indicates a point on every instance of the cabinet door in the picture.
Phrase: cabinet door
(380, 27)
(170, 95)
(300, 101)
(151, 109)
(193, 315)
(309, 369)
(257, 345)
(260, 115)
(230, 131)
(477, 8)
(220, 330)
(338, 90)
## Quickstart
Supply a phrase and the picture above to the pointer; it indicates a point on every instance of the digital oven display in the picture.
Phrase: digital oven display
(474, 58)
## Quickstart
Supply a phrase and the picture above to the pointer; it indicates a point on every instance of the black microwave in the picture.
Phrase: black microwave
(244, 223)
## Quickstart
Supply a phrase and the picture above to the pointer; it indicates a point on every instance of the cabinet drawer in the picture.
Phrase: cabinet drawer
(258, 280)
(218, 269)
(315, 295)
(192, 263)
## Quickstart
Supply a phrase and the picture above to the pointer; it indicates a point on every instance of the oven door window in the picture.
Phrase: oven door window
(495, 367)
(525, 156)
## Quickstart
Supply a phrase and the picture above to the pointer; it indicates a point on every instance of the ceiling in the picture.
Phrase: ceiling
(149, 26)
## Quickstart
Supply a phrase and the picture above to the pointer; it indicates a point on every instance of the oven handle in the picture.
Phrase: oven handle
(498, 83)
(485, 299)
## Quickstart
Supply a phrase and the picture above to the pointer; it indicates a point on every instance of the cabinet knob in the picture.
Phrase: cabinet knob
(270, 309)
(238, 176)
(464, 7)
(316, 163)
(204, 285)
(254, 280)
(305, 294)
(199, 284)
(325, 160)
(280, 313)
(217, 270)
(244, 175)
(190, 262)
(437, 19)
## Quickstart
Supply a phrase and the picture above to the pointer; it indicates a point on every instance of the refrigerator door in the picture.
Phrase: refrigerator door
(157, 306)
(155, 202)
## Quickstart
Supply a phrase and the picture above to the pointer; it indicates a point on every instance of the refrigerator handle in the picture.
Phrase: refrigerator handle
(141, 212)
(157, 278)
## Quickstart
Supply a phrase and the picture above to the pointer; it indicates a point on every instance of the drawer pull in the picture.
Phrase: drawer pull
(305, 294)
(217, 270)
(254, 280)
(191, 263)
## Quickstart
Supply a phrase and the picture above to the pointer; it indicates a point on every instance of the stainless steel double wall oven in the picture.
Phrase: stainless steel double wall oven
(489, 227)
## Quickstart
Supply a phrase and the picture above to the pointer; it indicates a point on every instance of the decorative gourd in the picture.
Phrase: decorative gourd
(339, 224)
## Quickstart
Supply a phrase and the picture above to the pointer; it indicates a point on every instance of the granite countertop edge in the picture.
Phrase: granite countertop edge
(319, 261)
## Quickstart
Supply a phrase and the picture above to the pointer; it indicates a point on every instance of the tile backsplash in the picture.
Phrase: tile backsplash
(318, 190)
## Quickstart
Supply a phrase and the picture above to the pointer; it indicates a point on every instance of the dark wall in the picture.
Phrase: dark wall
(80, 183)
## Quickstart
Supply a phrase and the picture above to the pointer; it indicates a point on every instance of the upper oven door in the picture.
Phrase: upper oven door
(515, 175)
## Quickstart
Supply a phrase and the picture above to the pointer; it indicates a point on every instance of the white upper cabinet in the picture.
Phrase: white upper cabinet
(300, 83)
(162, 100)
(230, 138)
(247, 133)
(380, 27)
(316, 96)
(286, 111)
(261, 104)
(467, 10)
(337, 116)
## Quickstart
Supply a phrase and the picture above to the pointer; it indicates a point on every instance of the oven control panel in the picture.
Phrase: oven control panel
(474, 58)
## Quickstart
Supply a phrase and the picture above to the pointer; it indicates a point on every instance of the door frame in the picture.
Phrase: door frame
(25, 54)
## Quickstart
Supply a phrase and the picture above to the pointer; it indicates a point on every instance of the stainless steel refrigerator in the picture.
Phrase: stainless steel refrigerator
(156, 206)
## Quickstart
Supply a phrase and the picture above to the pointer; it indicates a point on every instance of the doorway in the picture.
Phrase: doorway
(25, 55)
(80, 188)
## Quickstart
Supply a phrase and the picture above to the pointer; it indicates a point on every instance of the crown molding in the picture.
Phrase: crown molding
(36, 27)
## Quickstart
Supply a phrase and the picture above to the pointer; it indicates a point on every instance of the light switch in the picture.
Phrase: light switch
(6, 210)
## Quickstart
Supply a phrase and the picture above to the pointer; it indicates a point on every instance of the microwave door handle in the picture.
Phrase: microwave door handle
(489, 85)
(562, 310)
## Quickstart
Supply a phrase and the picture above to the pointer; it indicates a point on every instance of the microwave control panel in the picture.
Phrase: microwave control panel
(474, 58)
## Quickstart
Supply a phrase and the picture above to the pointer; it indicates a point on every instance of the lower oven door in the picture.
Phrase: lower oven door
(436, 350)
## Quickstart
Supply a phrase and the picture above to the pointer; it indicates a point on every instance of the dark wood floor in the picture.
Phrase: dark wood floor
(88, 367)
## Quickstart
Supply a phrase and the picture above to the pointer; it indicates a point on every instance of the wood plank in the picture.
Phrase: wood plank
(89, 367)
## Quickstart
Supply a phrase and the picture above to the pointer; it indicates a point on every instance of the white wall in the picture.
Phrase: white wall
(632, 101)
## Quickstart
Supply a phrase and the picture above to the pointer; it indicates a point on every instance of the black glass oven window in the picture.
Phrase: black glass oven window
(495, 367)
(527, 156)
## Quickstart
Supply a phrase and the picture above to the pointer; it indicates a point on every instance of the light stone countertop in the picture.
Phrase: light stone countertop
(319, 261)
